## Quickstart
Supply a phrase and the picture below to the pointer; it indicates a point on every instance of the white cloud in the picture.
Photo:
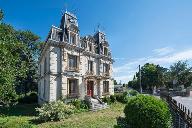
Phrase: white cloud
(163, 51)
(126, 71)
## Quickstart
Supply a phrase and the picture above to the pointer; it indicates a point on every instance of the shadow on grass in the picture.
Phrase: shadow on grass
(36, 121)
(19, 110)
(121, 123)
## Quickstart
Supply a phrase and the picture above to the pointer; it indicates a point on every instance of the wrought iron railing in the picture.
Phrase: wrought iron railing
(182, 117)
(73, 95)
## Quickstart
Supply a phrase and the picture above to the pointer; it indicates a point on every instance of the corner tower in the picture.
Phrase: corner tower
(69, 25)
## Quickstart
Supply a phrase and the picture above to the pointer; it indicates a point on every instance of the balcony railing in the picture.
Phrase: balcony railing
(105, 93)
(90, 73)
(105, 74)
(73, 69)
(73, 95)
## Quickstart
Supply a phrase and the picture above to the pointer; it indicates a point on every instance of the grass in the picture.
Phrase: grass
(19, 110)
(22, 116)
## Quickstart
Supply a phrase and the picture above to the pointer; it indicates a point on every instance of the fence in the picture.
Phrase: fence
(182, 117)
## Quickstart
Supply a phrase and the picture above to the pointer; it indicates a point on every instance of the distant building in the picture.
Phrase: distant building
(71, 66)
(118, 88)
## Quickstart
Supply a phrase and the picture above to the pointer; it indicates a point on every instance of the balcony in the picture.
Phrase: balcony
(90, 73)
(105, 93)
(106, 73)
(73, 95)
(72, 69)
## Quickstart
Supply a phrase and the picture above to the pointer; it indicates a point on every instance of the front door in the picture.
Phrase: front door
(90, 88)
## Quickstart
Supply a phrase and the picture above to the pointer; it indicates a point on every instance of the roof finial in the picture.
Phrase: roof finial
(98, 27)
(65, 5)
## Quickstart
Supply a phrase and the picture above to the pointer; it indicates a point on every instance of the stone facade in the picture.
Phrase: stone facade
(71, 66)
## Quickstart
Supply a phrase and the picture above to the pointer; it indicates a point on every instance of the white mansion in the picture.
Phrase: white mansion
(71, 66)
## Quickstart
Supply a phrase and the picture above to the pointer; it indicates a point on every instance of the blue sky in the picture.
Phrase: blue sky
(139, 31)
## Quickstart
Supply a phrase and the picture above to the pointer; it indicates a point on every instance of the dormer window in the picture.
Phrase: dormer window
(105, 51)
(73, 39)
(97, 50)
(90, 47)
(90, 66)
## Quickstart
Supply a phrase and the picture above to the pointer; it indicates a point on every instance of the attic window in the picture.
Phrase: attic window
(73, 39)
(90, 47)
(105, 51)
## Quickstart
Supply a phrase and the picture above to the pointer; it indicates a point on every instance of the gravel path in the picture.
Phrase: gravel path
(186, 101)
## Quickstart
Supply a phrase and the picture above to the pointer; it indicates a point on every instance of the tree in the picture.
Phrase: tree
(181, 72)
(30, 55)
(19, 51)
(10, 64)
(115, 82)
(152, 76)
(134, 84)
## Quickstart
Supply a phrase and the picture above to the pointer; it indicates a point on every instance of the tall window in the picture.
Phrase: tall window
(72, 39)
(90, 66)
(72, 62)
(97, 50)
(105, 51)
(90, 47)
(105, 86)
(73, 87)
(106, 68)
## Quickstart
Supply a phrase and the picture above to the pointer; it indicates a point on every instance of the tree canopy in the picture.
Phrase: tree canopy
(181, 73)
(156, 76)
(18, 62)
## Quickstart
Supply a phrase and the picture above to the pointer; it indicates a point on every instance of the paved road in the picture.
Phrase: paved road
(186, 101)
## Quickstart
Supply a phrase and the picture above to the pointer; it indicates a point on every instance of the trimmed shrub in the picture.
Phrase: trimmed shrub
(54, 111)
(144, 111)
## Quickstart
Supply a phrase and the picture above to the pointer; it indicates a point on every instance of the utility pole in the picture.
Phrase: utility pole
(140, 79)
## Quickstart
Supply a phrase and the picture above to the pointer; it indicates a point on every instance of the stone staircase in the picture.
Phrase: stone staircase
(96, 103)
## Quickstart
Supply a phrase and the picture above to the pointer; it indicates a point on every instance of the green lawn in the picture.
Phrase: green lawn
(22, 116)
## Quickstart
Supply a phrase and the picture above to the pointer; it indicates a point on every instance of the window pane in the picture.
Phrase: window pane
(105, 86)
(72, 61)
(72, 86)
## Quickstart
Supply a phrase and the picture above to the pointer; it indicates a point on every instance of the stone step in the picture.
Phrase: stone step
(96, 107)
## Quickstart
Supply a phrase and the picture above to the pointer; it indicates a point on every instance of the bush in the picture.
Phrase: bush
(106, 99)
(79, 104)
(144, 111)
(76, 103)
(122, 97)
(54, 111)
(133, 92)
(29, 98)
(84, 105)
(113, 99)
